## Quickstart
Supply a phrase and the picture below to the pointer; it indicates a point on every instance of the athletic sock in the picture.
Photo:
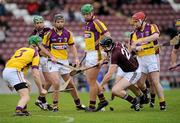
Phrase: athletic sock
(145, 91)
(77, 102)
(152, 98)
(129, 98)
(92, 104)
(101, 97)
(42, 99)
(19, 109)
(55, 103)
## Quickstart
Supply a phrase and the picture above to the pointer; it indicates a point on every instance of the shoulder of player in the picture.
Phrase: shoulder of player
(153, 25)
(67, 31)
(27, 49)
(97, 21)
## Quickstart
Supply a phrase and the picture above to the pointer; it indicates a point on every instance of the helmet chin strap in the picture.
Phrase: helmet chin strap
(142, 21)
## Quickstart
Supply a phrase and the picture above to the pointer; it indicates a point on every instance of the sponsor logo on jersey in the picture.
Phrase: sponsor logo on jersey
(87, 35)
(59, 47)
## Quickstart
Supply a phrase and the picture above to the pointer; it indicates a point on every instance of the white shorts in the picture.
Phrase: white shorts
(92, 57)
(43, 64)
(53, 67)
(158, 60)
(13, 77)
(132, 77)
(149, 63)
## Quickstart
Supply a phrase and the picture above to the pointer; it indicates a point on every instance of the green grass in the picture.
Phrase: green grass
(68, 114)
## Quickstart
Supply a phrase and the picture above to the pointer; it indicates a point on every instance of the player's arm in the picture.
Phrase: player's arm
(102, 29)
(72, 49)
(174, 57)
(36, 73)
(108, 75)
(154, 35)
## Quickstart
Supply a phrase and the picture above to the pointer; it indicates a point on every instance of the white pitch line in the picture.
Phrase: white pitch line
(67, 118)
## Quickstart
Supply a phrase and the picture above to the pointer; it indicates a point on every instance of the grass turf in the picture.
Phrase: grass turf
(67, 114)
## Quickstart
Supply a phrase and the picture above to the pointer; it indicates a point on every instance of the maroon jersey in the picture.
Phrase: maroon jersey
(121, 56)
(40, 33)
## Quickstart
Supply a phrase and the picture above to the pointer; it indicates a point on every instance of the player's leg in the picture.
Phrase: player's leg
(119, 90)
(152, 95)
(41, 101)
(74, 92)
(141, 83)
(55, 81)
(153, 68)
(91, 76)
(15, 79)
(142, 86)
(21, 108)
(154, 77)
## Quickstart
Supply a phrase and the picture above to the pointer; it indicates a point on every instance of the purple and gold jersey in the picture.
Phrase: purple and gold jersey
(58, 43)
(148, 30)
(121, 56)
(94, 30)
(24, 57)
(40, 33)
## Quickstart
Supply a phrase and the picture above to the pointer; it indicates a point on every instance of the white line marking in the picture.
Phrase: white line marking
(67, 118)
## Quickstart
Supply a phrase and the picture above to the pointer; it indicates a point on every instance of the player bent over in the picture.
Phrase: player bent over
(13, 73)
(121, 57)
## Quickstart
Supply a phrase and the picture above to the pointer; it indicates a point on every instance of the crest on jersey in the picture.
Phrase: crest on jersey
(65, 39)
(87, 35)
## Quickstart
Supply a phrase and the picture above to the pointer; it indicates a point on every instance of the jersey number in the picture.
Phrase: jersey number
(20, 54)
(125, 52)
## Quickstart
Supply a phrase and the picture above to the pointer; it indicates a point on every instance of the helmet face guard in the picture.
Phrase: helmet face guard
(86, 9)
(139, 17)
(107, 44)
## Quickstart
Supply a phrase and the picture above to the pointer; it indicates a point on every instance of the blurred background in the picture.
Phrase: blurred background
(16, 25)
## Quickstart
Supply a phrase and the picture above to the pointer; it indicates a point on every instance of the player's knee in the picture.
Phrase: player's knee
(20, 86)
(115, 90)
(56, 85)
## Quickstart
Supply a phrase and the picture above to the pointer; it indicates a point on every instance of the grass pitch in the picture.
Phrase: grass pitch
(68, 114)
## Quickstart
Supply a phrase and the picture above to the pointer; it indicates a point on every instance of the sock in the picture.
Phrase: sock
(92, 104)
(77, 102)
(152, 98)
(19, 109)
(128, 98)
(42, 99)
(163, 103)
(55, 103)
(145, 91)
(101, 97)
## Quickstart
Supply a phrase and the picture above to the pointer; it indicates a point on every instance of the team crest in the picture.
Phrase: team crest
(65, 39)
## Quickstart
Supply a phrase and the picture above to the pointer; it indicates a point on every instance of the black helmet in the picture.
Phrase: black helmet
(107, 43)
